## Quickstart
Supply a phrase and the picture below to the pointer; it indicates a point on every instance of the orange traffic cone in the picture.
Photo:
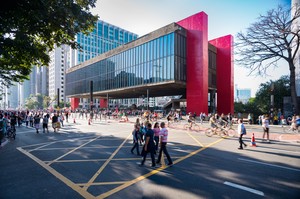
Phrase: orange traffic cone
(74, 120)
(253, 143)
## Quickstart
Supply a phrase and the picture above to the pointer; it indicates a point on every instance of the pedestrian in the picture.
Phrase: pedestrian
(136, 139)
(149, 146)
(55, 122)
(163, 144)
(156, 130)
(31, 120)
(45, 123)
(241, 132)
(37, 121)
(265, 125)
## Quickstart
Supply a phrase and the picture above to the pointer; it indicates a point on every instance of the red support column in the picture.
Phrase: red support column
(74, 103)
(103, 103)
(225, 74)
(197, 62)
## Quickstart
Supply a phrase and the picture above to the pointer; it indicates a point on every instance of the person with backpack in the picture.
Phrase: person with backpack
(241, 132)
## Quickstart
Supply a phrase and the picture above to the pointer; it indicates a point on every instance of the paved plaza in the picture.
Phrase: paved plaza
(94, 161)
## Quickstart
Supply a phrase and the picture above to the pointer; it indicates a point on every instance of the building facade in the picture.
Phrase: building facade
(242, 95)
(103, 38)
(176, 59)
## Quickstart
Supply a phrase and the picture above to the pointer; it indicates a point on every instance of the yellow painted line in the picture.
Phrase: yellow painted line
(102, 183)
(105, 164)
(195, 139)
(39, 148)
(94, 147)
(73, 150)
(68, 182)
(72, 139)
(153, 172)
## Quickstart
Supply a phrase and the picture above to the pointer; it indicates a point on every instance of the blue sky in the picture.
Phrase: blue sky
(224, 17)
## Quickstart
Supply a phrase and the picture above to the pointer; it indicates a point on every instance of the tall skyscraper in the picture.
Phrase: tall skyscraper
(103, 38)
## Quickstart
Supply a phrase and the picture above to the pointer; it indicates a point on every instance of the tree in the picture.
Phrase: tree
(31, 102)
(281, 89)
(29, 29)
(270, 39)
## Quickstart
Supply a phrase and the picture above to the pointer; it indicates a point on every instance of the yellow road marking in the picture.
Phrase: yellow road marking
(73, 150)
(105, 164)
(195, 139)
(68, 182)
(131, 182)
(102, 183)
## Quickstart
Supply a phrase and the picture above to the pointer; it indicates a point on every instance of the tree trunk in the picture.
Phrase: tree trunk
(293, 89)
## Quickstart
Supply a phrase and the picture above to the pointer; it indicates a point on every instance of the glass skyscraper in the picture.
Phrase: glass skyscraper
(103, 38)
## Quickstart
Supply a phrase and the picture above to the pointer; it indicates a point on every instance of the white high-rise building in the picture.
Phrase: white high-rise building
(296, 27)
(57, 68)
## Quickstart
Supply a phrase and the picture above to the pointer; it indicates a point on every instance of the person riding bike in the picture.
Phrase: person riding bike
(222, 121)
(213, 122)
(191, 119)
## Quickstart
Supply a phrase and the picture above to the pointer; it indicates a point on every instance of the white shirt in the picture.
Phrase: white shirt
(265, 123)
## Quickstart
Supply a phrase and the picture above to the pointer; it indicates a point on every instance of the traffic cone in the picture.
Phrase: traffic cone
(74, 120)
(253, 143)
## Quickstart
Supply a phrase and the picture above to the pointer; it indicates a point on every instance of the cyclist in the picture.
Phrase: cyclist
(213, 122)
(191, 119)
(222, 121)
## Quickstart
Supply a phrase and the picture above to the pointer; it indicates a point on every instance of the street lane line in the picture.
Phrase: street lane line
(68, 182)
(244, 188)
(105, 164)
(195, 139)
(272, 165)
(73, 150)
(153, 172)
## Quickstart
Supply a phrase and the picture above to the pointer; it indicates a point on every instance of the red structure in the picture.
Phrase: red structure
(197, 62)
(74, 103)
(225, 73)
(198, 67)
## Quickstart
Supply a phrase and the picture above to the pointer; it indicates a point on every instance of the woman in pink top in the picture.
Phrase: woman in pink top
(163, 144)
(156, 130)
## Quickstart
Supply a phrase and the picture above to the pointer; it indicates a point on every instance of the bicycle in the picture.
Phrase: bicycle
(220, 131)
(290, 129)
(193, 126)
(11, 132)
(174, 122)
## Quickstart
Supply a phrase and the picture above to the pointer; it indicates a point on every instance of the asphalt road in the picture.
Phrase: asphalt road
(94, 161)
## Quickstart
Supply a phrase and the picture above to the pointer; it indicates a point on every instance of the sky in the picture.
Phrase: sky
(224, 17)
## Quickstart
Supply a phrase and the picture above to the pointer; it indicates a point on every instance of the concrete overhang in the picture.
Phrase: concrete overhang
(169, 88)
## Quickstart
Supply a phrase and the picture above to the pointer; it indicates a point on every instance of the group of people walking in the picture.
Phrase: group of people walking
(153, 140)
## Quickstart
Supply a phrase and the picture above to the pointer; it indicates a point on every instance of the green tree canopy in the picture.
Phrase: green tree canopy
(273, 37)
(281, 89)
(29, 29)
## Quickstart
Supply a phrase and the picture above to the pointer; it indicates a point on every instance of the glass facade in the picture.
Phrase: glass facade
(159, 60)
(102, 39)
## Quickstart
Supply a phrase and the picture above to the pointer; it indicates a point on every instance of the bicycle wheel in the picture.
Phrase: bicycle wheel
(186, 127)
(196, 127)
(209, 132)
(231, 132)
(222, 133)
